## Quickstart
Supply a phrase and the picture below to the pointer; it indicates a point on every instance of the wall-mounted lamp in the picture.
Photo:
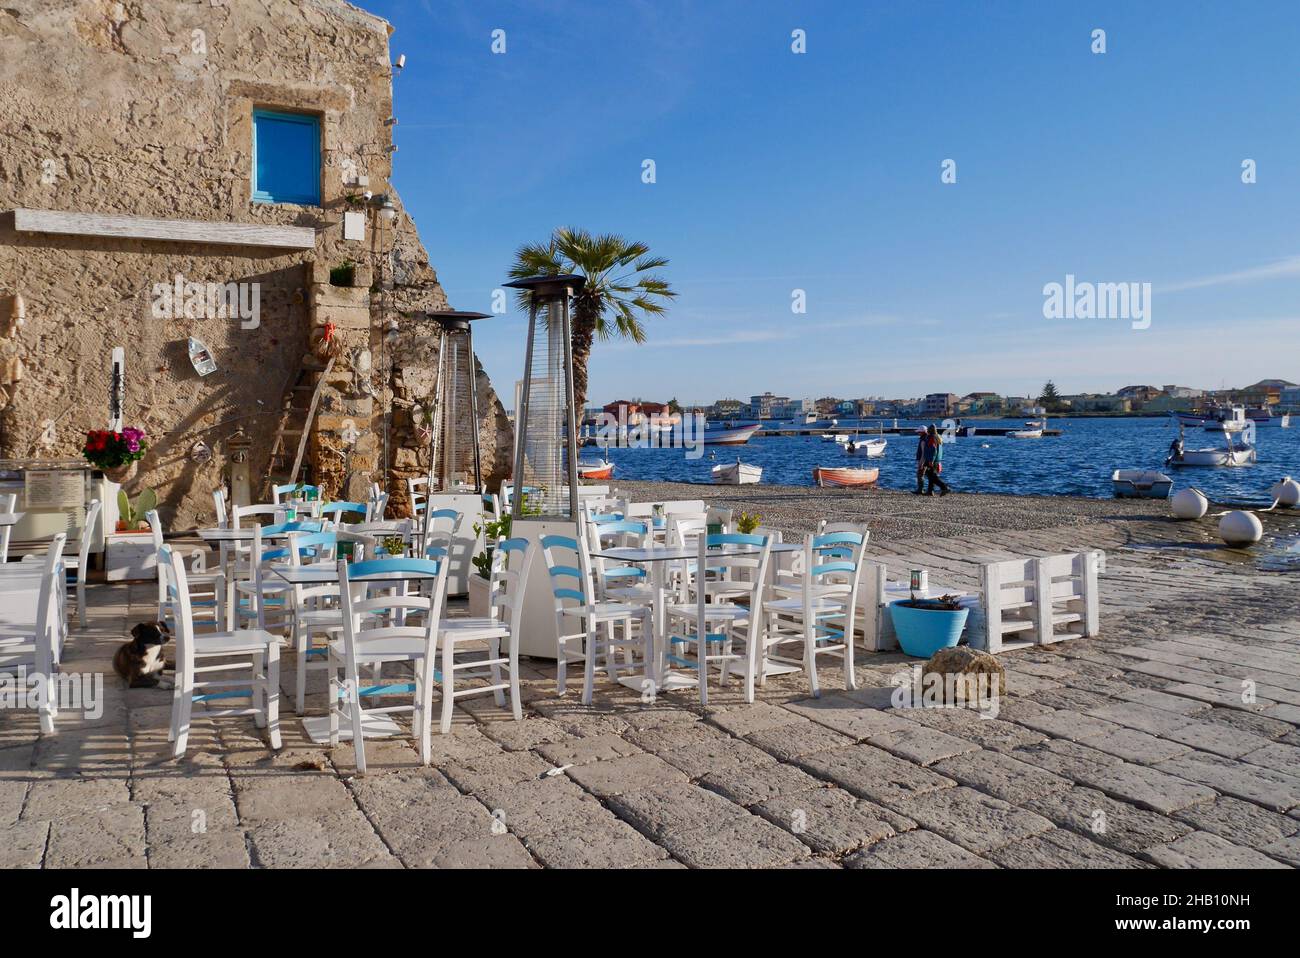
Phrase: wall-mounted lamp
(384, 202)
(401, 62)
(391, 121)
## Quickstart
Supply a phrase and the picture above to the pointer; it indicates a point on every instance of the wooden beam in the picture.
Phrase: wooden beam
(170, 231)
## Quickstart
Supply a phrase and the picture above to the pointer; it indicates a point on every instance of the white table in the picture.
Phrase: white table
(11, 518)
(20, 593)
(657, 558)
(325, 573)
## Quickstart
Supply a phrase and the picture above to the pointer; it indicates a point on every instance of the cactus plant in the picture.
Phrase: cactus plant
(131, 514)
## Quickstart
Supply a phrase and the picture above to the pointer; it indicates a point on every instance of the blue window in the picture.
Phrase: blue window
(286, 158)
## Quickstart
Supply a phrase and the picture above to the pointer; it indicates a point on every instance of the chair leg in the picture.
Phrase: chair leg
(302, 642)
(424, 709)
(354, 707)
(561, 663)
(810, 656)
(850, 680)
(702, 667)
(334, 703)
(494, 652)
(186, 714)
(176, 709)
(260, 690)
(589, 666)
(516, 706)
(273, 693)
(611, 655)
(81, 603)
(448, 686)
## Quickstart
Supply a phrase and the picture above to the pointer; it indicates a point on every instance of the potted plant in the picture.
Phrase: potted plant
(343, 274)
(394, 545)
(747, 522)
(131, 515)
(492, 530)
(115, 453)
(924, 626)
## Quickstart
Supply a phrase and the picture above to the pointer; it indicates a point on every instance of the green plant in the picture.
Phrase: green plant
(343, 274)
(747, 522)
(620, 290)
(945, 603)
(492, 530)
(394, 545)
(132, 514)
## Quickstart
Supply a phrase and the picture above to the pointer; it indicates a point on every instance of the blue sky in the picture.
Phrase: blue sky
(820, 171)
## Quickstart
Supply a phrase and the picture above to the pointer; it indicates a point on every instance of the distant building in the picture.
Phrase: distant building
(792, 408)
(1182, 392)
(760, 407)
(939, 404)
(727, 409)
(1266, 392)
(1101, 403)
(1289, 398)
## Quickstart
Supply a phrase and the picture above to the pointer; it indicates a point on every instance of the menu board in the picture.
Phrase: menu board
(54, 488)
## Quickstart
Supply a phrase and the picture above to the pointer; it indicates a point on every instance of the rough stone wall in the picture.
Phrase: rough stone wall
(146, 109)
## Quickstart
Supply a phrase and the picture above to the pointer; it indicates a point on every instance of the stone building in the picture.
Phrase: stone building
(217, 170)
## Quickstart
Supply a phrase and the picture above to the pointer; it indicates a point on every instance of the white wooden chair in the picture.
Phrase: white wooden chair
(585, 627)
(280, 494)
(7, 507)
(204, 662)
(220, 513)
(30, 651)
(711, 628)
(821, 617)
(207, 589)
(81, 563)
(511, 561)
(1038, 601)
(262, 598)
(378, 631)
(616, 582)
(314, 609)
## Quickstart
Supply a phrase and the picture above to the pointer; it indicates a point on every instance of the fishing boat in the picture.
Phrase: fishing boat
(1233, 418)
(831, 476)
(201, 357)
(730, 434)
(871, 448)
(1141, 484)
(1231, 453)
(595, 469)
(736, 473)
(835, 437)
(1265, 417)
(1033, 430)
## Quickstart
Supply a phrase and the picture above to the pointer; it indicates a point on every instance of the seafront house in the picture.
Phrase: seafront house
(221, 209)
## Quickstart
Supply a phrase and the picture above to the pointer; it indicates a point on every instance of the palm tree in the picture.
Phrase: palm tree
(621, 289)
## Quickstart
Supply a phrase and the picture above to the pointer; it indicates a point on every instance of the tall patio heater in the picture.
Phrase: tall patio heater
(455, 478)
(544, 484)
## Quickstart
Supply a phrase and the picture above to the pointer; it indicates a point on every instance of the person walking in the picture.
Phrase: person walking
(933, 459)
(921, 439)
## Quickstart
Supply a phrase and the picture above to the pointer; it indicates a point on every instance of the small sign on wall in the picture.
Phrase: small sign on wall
(354, 226)
(53, 489)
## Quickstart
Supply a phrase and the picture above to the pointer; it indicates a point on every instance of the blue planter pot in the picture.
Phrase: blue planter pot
(923, 632)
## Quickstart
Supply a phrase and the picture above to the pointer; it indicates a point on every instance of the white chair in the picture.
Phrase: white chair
(376, 504)
(314, 610)
(288, 490)
(511, 561)
(7, 507)
(82, 561)
(204, 662)
(713, 627)
(262, 597)
(219, 512)
(207, 589)
(581, 621)
(821, 617)
(618, 582)
(377, 632)
(29, 651)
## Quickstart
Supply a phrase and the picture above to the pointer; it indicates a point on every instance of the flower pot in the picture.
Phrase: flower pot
(479, 589)
(923, 632)
(127, 529)
(119, 474)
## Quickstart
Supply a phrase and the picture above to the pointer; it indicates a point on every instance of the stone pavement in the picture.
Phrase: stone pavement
(1133, 750)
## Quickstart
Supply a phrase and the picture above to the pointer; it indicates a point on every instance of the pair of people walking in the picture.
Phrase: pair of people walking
(929, 463)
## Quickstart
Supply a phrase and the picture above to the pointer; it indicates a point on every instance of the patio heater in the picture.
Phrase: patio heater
(544, 484)
(455, 477)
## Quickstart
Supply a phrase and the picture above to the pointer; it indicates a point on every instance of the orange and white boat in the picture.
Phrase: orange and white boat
(601, 469)
(825, 476)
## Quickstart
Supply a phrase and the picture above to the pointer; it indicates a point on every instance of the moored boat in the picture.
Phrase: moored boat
(871, 448)
(736, 473)
(598, 469)
(831, 476)
(1231, 453)
(835, 437)
(1141, 484)
(1033, 430)
(730, 435)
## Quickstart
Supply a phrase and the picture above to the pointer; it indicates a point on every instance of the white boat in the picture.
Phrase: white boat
(1033, 430)
(736, 473)
(1231, 453)
(1141, 484)
(729, 435)
(871, 448)
(840, 437)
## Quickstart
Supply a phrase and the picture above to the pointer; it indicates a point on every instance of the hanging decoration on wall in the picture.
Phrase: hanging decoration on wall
(200, 452)
(16, 316)
(201, 357)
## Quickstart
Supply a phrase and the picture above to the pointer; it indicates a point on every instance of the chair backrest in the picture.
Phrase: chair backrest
(444, 521)
(825, 526)
(376, 506)
(832, 566)
(723, 554)
(512, 560)
(49, 609)
(177, 598)
(334, 511)
(219, 507)
(617, 533)
(369, 618)
(279, 492)
(87, 536)
(7, 504)
(155, 529)
(239, 513)
(569, 570)
(683, 529)
(415, 493)
(320, 546)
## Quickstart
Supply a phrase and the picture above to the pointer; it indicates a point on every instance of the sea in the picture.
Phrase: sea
(1078, 462)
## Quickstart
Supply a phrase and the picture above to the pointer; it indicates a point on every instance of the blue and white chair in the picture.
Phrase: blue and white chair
(615, 581)
(587, 628)
(314, 609)
(711, 625)
(511, 561)
(335, 511)
(205, 671)
(820, 618)
(397, 626)
(288, 491)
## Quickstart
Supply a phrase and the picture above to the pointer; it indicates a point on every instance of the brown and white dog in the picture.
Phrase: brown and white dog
(140, 662)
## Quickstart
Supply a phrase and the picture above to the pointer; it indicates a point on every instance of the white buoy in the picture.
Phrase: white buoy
(1286, 492)
(1240, 528)
(1189, 504)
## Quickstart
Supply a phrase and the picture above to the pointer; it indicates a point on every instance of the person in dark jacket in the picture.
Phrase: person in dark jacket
(921, 437)
(932, 459)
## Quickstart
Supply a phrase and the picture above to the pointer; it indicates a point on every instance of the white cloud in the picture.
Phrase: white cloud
(1283, 267)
